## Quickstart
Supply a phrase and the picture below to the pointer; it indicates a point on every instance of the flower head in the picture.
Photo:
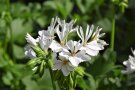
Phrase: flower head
(91, 40)
(130, 64)
(64, 29)
(67, 55)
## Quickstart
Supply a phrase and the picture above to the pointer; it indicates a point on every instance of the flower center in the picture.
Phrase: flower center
(73, 53)
(84, 44)
(62, 43)
(65, 62)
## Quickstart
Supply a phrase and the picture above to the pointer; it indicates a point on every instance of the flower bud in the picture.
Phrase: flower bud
(34, 61)
(42, 67)
(71, 82)
(39, 52)
(79, 71)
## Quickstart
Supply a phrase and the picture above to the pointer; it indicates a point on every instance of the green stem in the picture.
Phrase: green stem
(11, 42)
(113, 33)
(6, 40)
(8, 5)
(52, 78)
(9, 18)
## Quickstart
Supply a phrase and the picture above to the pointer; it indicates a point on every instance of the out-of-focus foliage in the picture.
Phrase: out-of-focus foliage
(17, 17)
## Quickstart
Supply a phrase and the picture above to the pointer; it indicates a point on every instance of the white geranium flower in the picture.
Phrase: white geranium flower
(31, 40)
(73, 54)
(91, 40)
(63, 29)
(62, 64)
(130, 64)
(29, 52)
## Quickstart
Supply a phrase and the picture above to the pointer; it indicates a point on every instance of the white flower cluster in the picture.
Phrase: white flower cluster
(67, 54)
(130, 64)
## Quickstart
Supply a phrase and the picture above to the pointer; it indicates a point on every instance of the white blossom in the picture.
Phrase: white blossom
(67, 55)
(73, 53)
(64, 29)
(91, 40)
(62, 64)
(130, 64)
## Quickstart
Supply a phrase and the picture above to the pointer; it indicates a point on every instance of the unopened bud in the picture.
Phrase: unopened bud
(39, 51)
(80, 71)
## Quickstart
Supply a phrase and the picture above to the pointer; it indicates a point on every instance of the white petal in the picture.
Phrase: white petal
(41, 32)
(55, 46)
(44, 42)
(82, 34)
(70, 67)
(77, 46)
(29, 52)
(133, 52)
(125, 62)
(74, 61)
(64, 54)
(79, 34)
(54, 55)
(65, 70)
(83, 56)
(70, 45)
(94, 45)
(57, 65)
(88, 33)
(102, 42)
(92, 52)
(59, 33)
(31, 40)
(132, 67)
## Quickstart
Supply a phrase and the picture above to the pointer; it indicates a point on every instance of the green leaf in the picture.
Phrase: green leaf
(30, 84)
(80, 6)
(18, 51)
(105, 24)
(2, 23)
(50, 5)
(41, 21)
(103, 64)
(19, 29)
(7, 78)
(81, 83)
(92, 82)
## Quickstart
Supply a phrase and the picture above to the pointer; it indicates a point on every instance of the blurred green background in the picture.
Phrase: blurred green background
(17, 17)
